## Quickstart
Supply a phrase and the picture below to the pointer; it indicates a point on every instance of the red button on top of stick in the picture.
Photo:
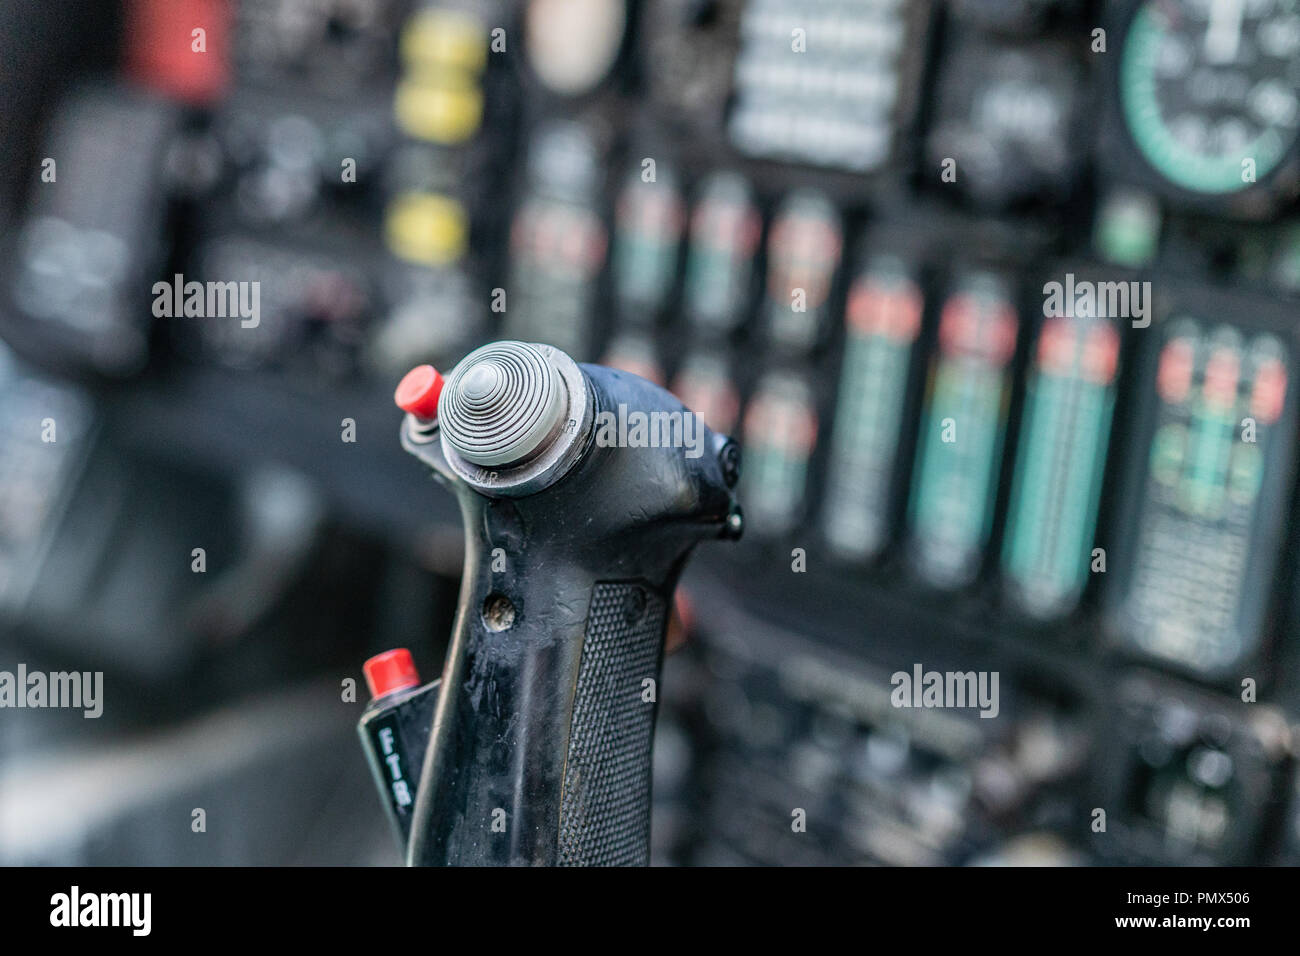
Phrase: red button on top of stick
(390, 671)
(418, 392)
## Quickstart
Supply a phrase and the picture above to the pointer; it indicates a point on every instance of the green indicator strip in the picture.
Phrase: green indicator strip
(953, 500)
(864, 444)
(1056, 491)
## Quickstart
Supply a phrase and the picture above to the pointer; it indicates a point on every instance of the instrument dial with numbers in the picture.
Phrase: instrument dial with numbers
(1210, 90)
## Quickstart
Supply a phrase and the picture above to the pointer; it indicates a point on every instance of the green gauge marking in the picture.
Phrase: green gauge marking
(1207, 85)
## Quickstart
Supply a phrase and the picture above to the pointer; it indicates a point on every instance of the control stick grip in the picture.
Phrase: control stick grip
(541, 744)
(539, 752)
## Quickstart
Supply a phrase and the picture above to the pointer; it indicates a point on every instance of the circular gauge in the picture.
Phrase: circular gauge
(1008, 114)
(573, 44)
(1210, 89)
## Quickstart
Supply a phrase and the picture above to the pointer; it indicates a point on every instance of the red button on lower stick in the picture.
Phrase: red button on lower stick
(418, 392)
(390, 671)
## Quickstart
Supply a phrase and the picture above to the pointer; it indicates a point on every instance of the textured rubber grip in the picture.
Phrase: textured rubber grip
(605, 802)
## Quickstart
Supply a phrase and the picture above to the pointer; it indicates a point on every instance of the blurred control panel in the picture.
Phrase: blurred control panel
(1000, 296)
